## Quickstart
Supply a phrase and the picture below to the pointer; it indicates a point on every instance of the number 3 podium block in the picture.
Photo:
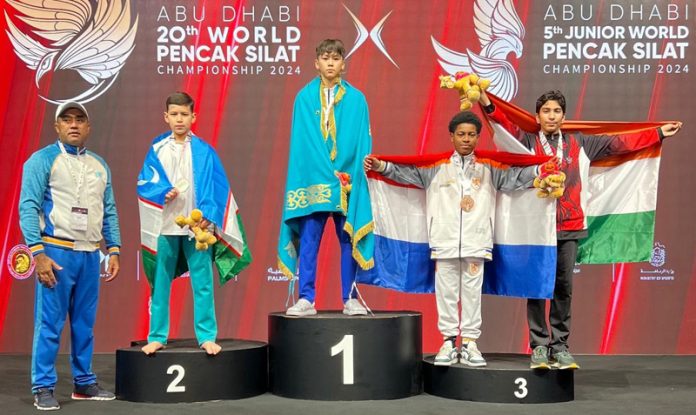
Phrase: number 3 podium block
(334, 357)
(506, 379)
(182, 372)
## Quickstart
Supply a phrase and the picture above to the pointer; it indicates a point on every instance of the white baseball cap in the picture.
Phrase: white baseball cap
(69, 105)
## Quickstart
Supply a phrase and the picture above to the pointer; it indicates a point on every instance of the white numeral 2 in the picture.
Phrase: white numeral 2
(180, 372)
(345, 346)
(522, 391)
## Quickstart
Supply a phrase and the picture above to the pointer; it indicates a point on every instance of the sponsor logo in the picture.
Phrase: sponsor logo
(375, 35)
(658, 260)
(20, 262)
(276, 275)
(93, 39)
(659, 255)
(500, 32)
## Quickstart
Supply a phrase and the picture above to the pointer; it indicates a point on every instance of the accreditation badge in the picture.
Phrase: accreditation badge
(20, 262)
(79, 218)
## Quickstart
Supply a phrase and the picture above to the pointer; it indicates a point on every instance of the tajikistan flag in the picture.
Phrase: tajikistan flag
(621, 208)
(620, 192)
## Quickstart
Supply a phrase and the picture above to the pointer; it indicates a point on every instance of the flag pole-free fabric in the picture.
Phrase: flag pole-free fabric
(325, 171)
(523, 265)
(621, 190)
(213, 197)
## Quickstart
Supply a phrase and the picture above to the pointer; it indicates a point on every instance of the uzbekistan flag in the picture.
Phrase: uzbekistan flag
(621, 191)
(213, 197)
(524, 258)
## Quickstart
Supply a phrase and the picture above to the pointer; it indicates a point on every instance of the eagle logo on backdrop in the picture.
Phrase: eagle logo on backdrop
(74, 35)
(500, 32)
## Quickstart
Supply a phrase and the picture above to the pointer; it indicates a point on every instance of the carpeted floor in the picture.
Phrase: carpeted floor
(632, 385)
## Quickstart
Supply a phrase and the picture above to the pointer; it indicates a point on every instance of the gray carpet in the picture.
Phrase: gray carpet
(655, 385)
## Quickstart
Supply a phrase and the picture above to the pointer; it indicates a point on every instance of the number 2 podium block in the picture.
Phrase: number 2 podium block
(334, 357)
(182, 372)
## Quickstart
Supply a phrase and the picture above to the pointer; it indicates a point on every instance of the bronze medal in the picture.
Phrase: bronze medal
(467, 203)
(473, 268)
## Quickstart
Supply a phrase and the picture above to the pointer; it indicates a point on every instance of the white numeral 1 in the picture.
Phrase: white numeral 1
(522, 390)
(345, 346)
(174, 386)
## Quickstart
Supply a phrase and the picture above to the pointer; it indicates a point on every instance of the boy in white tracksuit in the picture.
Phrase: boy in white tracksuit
(460, 199)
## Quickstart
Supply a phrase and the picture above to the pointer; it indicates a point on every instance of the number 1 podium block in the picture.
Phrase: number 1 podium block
(182, 372)
(334, 357)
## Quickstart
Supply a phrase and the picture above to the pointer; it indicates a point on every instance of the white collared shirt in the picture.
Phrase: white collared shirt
(176, 160)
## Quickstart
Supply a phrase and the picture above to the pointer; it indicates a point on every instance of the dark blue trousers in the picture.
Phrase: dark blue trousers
(311, 231)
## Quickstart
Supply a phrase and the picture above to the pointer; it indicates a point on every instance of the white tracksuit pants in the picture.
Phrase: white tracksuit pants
(459, 279)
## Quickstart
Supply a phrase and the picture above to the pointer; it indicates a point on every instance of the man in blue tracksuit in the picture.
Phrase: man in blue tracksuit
(66, 208)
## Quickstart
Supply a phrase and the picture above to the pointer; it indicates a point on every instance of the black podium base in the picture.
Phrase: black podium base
(182, 372)
(506, 379)
(334, 357)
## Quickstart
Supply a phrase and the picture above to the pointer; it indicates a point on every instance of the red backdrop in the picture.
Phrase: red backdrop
(616, 309)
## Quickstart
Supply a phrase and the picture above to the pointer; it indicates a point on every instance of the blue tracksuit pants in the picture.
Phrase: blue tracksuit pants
(311, 231)
(75, 294)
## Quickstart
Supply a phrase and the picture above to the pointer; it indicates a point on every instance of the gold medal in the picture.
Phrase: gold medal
(467, 203)
(474, 268)
(476, 183)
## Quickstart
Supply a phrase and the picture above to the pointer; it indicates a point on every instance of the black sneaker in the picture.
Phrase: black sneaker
(92, 392)
(44, 400)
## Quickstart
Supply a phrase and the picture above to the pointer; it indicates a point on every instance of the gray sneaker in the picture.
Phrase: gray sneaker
(540, 358)
(45, 401)
(302, 308)
(471, 356)
(447, 354)
(92, 392)
(564, 360)
(353, 307)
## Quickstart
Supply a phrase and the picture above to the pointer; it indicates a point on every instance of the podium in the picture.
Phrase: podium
(506, 379)
(332, 357)
(182, 372)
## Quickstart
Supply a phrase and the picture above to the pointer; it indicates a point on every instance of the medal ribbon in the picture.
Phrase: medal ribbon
(547, 147)
(77, 180)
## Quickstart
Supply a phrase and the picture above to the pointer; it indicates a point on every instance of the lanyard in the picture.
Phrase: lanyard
(547, 147)
(180, 160)
(79, 179)
(465, 176)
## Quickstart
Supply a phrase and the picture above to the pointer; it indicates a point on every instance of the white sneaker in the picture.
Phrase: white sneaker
(353, 307)
(447, 354)
(302, 308)
(471, 356)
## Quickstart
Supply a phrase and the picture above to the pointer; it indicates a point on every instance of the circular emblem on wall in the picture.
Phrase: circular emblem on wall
(20, 262)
